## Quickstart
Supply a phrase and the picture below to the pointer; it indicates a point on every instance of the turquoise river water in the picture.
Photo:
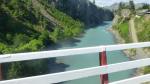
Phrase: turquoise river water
(94, 37)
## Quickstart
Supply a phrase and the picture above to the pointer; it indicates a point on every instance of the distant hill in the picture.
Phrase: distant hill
(116, 6)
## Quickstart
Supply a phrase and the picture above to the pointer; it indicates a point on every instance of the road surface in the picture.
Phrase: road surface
(140, 54)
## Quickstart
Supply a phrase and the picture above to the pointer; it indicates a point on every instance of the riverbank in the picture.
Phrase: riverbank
(130, 53)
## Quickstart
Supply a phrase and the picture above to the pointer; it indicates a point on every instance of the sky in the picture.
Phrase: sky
(110, 2)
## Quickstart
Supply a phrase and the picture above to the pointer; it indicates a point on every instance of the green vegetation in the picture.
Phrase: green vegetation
(143, 29)
(146, 6)
(123, 29)
(23, 28)
(123, 21)
(142, 25)
(147, 70)
(143, 32)
(30, 68)
(70, 28)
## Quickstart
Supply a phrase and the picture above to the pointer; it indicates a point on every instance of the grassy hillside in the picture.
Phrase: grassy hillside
(143, 28)
(123, 29)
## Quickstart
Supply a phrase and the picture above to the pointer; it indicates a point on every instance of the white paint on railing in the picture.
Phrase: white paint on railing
(81, 73)
(134, 80)
(67, 52)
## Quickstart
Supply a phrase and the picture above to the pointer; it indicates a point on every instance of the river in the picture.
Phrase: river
(94, 37)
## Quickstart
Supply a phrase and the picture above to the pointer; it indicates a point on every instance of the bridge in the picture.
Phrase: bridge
(103, 70)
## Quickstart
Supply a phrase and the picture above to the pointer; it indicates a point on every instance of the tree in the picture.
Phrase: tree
(146, 6)
(1, 1)
(120, 8)
(120, 5)
(15, 70)
(20, 39)
(44, 37)
(55, 35)
(33, 45)
(132, 6)
(1, 9)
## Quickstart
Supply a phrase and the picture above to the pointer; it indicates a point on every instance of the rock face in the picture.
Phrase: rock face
(84, 11)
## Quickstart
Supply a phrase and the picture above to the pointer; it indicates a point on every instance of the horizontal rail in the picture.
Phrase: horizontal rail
(68, 52)
(77, 74)
(134, 80)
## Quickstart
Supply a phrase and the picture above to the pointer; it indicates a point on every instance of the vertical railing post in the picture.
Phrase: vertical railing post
(103, 61)
(0, 71)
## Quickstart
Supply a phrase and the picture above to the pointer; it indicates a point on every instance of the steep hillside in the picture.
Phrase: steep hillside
(82, 10)
(27, 26)
(24, 19)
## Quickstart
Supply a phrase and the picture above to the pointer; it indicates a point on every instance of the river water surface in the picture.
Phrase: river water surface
(94, 37)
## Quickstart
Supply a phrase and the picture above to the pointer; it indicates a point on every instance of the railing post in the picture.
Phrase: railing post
(0, 72)
(103, 61)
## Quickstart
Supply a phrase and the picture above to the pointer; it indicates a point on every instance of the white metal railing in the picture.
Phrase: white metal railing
(134, 80)
(75, 74)
(68, 52)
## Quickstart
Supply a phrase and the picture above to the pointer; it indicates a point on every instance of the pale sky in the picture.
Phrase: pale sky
(110, 2)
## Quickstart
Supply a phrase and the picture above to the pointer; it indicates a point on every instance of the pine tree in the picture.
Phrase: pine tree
(120, 8)
(146, 6)
(132, 6)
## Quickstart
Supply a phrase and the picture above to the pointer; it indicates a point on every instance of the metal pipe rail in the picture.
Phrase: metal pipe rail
(68, 52)
(75, 74)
